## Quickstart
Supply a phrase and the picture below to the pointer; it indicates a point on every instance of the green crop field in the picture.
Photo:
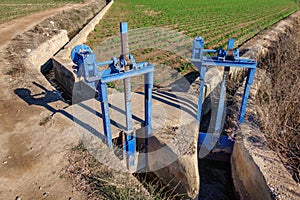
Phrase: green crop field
(11, 9)
(161, 31)
(215, 20)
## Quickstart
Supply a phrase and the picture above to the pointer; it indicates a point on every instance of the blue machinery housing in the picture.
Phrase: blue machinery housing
(125, 67)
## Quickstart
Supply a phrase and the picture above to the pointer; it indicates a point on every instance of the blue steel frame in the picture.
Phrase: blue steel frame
(226, 59)
(122, 68)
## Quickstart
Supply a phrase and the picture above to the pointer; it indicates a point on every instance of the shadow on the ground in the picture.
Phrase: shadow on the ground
(46, 97)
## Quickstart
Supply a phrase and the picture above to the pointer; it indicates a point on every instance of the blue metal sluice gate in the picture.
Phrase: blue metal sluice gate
(124, 67)
(224, 58)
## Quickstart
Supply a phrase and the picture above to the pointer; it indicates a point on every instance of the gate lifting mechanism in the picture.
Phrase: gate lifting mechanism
(124, 68)
(226, 59)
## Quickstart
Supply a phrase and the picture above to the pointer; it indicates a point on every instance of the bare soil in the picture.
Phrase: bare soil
(11, 29)
(35, 135)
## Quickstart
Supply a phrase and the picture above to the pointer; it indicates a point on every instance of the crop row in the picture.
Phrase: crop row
(11, 9)
(170, 25)
(193, 17)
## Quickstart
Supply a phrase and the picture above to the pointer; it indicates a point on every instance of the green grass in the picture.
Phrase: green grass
(11, 9)
(215, 20)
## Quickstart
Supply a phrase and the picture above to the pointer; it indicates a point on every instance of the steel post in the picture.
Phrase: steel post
(148, 81)
(201, 92)
(249, 81)
(103, 98)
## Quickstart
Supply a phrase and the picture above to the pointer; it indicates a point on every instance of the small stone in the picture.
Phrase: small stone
(28, 50)
(52, 22)
(9, 157)
(4, 162)
(18, 198)
(45, 194)
(40, 188)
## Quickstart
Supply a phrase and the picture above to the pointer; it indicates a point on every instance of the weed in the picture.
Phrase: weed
(111, 85)
(186, 67)
(45, 120)
(14, 71)
(278, 102)
(99, 182)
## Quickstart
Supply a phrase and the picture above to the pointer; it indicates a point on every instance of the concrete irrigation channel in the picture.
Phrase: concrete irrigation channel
(246, 171)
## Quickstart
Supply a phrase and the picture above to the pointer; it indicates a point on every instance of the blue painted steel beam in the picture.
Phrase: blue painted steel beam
(197, 55)
(201, 93)
(249, 81)
(209, 51)
(148, 81)
(108, 72)
(209, 141)
(228, 63)
(230, 45)
(127, 74)
(105, 63)
(102, 96)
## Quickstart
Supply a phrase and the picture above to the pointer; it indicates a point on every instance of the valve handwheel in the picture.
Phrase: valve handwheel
(82, 48)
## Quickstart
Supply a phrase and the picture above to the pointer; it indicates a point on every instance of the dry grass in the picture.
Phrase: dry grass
(97, 181)
(279, 102)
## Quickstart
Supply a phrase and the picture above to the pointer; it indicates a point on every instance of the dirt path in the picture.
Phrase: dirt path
(35, 134)
(17, 26)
